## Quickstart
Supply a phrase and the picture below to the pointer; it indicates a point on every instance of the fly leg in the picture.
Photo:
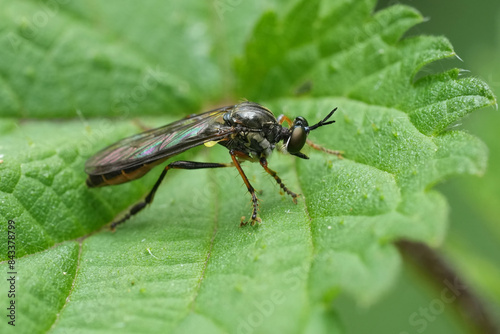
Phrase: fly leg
(324, 149)
(141, 125)
(263, 163)
(283, 118)
(174, 165)
(251, 190)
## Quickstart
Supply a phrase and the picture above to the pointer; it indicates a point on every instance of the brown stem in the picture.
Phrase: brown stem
(453, 289)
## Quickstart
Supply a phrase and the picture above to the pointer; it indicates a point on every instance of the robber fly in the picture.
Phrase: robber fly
(248, 130)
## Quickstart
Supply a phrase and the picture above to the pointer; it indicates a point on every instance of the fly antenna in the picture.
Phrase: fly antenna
(324, 121)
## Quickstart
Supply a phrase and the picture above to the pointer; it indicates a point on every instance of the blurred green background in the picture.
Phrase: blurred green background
(473, 242)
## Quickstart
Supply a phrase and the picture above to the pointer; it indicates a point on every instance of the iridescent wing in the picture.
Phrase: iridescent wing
(161, 143)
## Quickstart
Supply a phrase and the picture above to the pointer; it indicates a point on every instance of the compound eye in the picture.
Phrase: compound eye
(300, 121)
(297, 139)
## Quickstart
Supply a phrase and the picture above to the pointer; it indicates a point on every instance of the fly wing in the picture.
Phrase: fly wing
(161, 143)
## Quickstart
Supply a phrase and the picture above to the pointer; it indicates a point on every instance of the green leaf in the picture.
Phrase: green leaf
(184, 264)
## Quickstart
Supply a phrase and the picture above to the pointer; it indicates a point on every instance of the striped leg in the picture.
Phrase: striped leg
(251, 190)
(263, 163)
(324, 149)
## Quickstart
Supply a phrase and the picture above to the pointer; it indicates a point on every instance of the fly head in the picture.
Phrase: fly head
(296, 136)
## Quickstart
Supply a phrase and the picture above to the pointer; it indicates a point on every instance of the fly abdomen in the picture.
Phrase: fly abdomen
(119, 176)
